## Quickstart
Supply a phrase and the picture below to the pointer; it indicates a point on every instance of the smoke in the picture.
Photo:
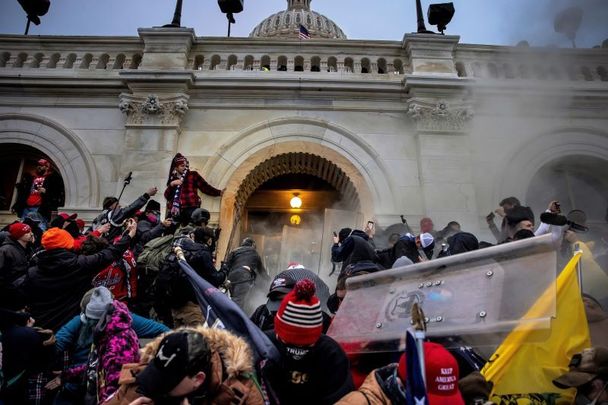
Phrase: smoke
(535, 23)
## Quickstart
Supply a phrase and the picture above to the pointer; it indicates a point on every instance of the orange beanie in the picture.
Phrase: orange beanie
(56, 238)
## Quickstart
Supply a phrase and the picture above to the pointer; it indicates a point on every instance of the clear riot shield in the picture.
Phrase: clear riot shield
(478, 297)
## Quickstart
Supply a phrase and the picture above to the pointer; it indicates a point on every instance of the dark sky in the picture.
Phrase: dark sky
(503, 22)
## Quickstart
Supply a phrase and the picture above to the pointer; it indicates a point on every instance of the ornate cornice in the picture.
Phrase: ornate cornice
(153, 111)
(439, 116)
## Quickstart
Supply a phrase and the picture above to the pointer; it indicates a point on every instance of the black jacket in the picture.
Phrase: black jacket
(56, 284)
(51, 200)
(119, 215)
(321, 376)
(356, 248)
(173, 287)
(14, 260)
(406, 246)
(245, 256)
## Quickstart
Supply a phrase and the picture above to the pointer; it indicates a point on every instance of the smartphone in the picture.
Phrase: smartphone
(335, 234)
(370, 224)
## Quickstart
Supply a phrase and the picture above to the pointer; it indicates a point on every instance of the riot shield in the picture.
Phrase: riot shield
(478, 297)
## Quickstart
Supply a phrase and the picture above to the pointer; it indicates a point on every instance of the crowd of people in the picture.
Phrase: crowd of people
(105, 315)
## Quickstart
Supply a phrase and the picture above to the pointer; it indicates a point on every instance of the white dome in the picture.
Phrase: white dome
(286, 24)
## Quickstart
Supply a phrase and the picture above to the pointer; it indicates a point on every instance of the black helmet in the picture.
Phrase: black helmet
(200, 216)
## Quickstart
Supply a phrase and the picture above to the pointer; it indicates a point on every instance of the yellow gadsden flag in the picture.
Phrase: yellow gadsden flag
(523, 366)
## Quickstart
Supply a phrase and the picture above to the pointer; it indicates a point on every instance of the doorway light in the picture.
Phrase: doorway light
(296, 201)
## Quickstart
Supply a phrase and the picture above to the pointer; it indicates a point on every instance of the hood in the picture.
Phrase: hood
(235, 354)
(117, 320)
(462, 242)
(359, 233)
(56, 260)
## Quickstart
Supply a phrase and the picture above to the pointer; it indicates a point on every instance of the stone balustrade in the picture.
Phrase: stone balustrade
(357, 57)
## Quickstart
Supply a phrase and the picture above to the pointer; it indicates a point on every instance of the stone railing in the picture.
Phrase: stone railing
(518, 63)
(79, 53)
(328, 56)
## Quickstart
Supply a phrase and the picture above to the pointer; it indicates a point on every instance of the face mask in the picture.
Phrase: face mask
(152, 218)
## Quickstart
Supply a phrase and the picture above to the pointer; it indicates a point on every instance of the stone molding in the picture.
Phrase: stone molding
(439, 116)
(152, 111)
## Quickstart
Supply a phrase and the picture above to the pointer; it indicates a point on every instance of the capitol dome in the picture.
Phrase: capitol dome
(286, 24)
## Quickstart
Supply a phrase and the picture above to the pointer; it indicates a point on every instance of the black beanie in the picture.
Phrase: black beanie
(152, 206)
(108, 201)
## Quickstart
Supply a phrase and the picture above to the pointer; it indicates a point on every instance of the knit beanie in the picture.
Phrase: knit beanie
(108, 201)
(299, 320)
(18, 229)
(100, 298)
(56, 238)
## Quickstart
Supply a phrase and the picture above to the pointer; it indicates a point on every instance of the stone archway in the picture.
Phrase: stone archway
(67, 151)
(356, 159)
(520, 168)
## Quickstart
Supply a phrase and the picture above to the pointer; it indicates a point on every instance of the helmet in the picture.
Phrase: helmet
(199, 216)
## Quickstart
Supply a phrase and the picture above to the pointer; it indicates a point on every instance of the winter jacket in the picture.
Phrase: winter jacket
(356, 248)
(67, 336)
(173, 288)
(188, 195)
(115, 344)
(231, 369)
(316, 375)
(119, 215)
(379, 388)
(146, 231)
(13, 261)
(55, 285)
(120, 277)
(246, 256)
(24, 352)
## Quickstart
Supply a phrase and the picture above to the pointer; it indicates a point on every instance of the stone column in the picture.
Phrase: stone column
(440, 111)
(154, 109)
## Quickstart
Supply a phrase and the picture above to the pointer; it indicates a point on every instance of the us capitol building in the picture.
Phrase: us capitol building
(358, 129)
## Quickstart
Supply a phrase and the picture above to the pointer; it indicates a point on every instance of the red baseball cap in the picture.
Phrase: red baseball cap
(66, 216)
(441, 375)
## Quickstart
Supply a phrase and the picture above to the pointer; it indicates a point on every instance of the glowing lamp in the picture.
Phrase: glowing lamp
(296, 201)
(295, 219)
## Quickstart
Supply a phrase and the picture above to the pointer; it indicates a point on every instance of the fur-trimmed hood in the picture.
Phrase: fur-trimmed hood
(235, 353)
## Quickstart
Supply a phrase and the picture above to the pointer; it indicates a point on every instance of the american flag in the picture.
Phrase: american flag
(304, 32)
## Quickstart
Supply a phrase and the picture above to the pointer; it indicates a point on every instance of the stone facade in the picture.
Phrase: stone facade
(423, 127)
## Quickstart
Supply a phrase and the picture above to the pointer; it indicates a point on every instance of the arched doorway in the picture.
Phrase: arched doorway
(285, 232)
(16, 162)
(578, 182)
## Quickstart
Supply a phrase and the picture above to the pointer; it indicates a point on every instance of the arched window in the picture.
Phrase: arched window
(103, 61)
(282, 64)
(215, 61)
(315, 64)
(298, 64)
(382, 66)
(4, 57)
(332, 64)
(398, 65)
(348, 65)
(265, 63)
(365, 67)
(460, 69)
(248, 62)
(69, 61)
(231, 62)
(198, 62)
(86, 61)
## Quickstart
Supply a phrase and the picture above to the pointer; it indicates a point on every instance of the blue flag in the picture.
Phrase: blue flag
(415, 391)
(221, 312)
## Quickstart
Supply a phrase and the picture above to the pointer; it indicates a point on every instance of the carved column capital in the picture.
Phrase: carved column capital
(153, 111)
(439, 116)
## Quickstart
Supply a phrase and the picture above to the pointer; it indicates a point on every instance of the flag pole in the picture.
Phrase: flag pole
(419, 322)
(579, 265)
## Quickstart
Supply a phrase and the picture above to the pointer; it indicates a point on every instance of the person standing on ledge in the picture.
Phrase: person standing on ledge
(183, 185)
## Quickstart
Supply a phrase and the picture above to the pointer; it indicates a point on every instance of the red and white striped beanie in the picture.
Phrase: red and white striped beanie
(299, 321)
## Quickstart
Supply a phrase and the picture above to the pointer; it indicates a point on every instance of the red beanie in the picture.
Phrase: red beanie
(441, 375)
(299, 320)
(56, 238)
(18, 229)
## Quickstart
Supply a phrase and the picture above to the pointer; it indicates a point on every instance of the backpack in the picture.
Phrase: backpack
(155, 252)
